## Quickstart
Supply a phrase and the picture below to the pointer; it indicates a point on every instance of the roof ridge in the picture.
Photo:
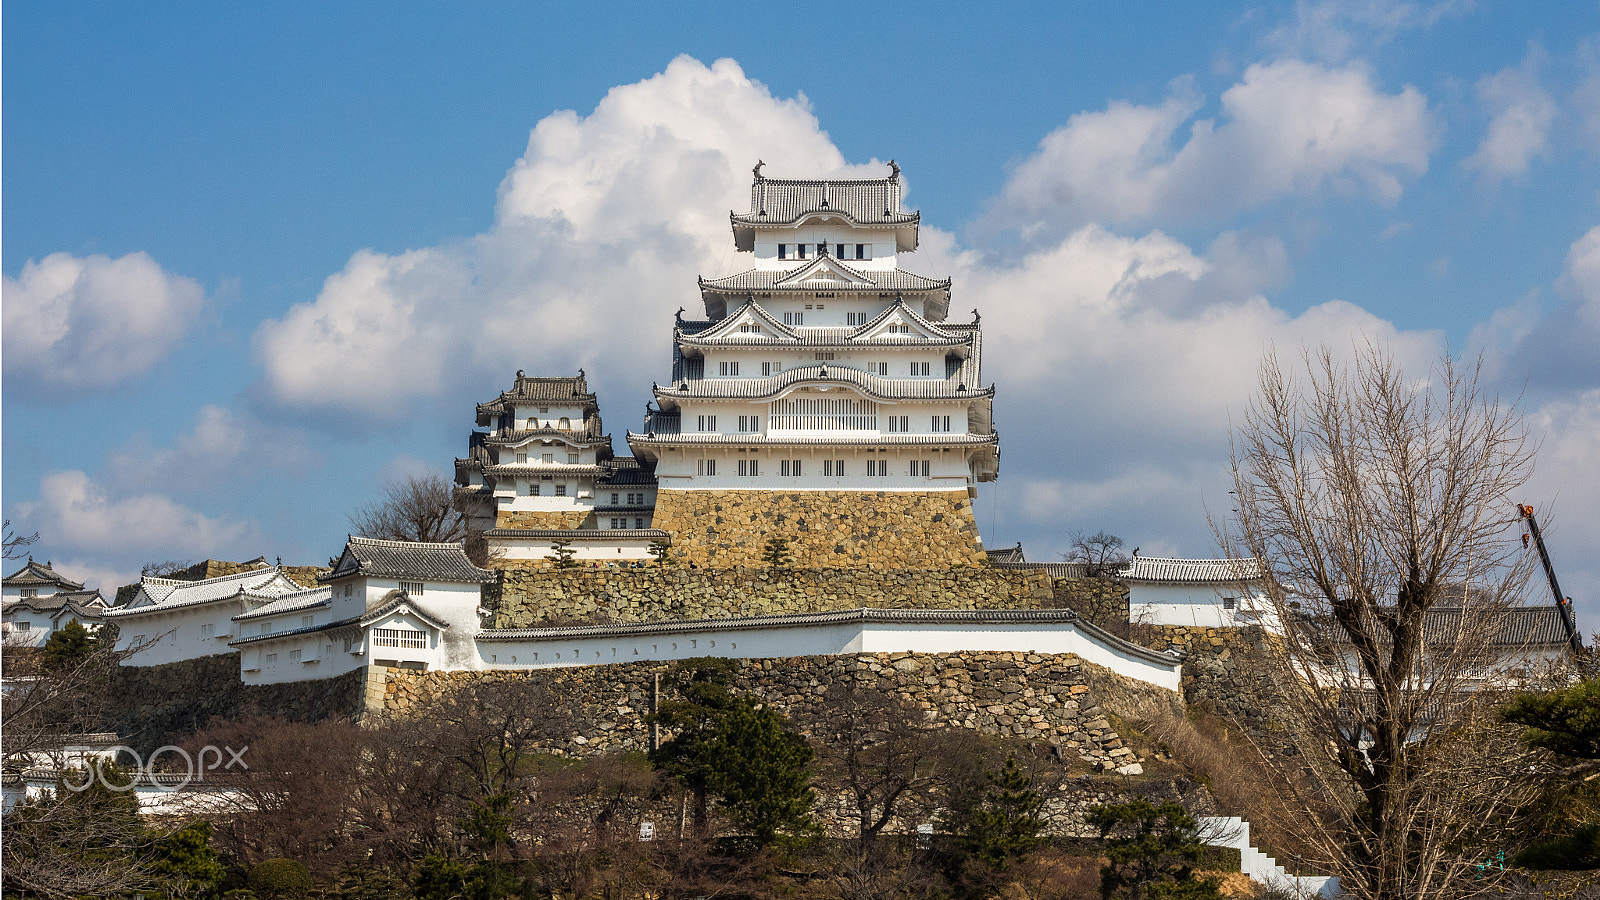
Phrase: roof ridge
(366, 540)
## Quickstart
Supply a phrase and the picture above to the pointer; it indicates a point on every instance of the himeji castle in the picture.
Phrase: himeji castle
(824, 398)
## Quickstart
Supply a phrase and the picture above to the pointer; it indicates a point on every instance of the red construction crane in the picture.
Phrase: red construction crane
(1563, 602)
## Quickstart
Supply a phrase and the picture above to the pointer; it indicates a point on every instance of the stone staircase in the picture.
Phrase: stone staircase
(1232, 831)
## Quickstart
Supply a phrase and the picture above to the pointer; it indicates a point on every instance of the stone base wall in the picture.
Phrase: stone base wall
(1041, 697)
(1101, 600)
(529, 596)
(148, 706)
(883, 529)
(555, 519)
(1234, 671)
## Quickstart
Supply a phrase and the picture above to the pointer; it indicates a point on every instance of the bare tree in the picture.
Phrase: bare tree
(14, 543)
(1370, 499)
(1102, 551)
(413, 508)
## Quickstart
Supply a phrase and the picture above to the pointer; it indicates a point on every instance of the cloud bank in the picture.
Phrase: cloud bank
(90, 322)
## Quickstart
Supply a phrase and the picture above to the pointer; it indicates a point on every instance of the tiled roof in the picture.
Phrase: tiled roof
(877, 387)
(776, 201)
(1056, 570)
(544, 468)
(1191, 571)
(800, 620)
(288, 603)
(169, 593)
(36, 573)
(779, 439)
(590, 434)
(531, 389)
(408, 560)
(1517, 626)
(1006, 555)
(725, 334)
(892, 281)
(77, 600)
(587, 535)
(631, 476)
(353, 621)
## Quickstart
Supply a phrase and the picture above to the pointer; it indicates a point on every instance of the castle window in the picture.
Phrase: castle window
(728, 368)
(28, 626)
(572, 459)
(614, 499)
(207, 630)
(800, 251)
(404, 638)
(839, 251)
(827, 468)
(638, 523)
(708, 467)
(348, 588)
(561, 490)
(544, 409)
(522, 457)
(850, 319)
(413, 588)
(881, 368)
(899, 424)
(547, 457)
(824, 356)
(920, 368)
(707, 423)
(822, 249)
(794, 318)
(294, 656)
(564, 423)
(882, 466)
(272, 659)
(305, 622)
(863, 251)
(29, 593)
(783, 251)
(940, 423)
(534, 489)
(616, 523)
(1230, 602)
(771, 368)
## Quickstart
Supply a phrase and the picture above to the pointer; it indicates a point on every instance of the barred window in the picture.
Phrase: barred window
(404, 638)
(413, 588)
(804, 414)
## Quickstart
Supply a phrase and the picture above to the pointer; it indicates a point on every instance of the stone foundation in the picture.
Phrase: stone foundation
(529, 596)
(1029, 696)
(564, 520)
(149, 706)
(1101, 600)
(881, 529)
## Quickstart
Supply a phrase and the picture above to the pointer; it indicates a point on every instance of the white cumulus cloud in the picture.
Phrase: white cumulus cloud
(75, 513)
(74, 322)
(601, 229)
(221, 445)
(1289, 127)
(1519, 128)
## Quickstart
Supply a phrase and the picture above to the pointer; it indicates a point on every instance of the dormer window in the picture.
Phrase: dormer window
(565, 423)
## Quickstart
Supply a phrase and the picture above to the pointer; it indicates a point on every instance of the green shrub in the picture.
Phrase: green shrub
(1578, 850)
(280, 879)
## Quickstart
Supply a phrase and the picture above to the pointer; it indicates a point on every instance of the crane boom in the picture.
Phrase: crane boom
(1563, 602)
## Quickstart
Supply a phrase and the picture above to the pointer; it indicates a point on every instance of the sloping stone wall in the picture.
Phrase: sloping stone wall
(1041, 697)
(554, 519)
(1232, 670)
(1102, 600)
(530, 596)
(885, 529)
(148, 706)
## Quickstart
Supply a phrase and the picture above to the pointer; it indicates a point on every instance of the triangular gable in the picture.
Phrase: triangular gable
(822, 272)
(899, 312)
(749, 313)
(401, 602)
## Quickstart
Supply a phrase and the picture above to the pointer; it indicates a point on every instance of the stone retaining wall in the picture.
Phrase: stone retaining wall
(883, 529)
(148, 706)
(1232, 670)
(1039, 697)
(528, 596)
(553, 520)
(1100, 599)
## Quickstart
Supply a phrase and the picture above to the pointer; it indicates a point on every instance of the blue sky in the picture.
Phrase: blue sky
(259, 259)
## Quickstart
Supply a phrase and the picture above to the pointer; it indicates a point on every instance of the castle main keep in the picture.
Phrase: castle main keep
(824, 398)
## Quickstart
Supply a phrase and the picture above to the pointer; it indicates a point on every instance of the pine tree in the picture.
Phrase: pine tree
(1150, 851)
(658, 549)
(561, 554)
(776, 553)
(67, 648)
